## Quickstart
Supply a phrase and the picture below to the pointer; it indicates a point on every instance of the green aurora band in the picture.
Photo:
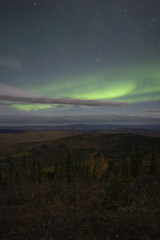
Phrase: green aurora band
(129, 85)
(31, 107)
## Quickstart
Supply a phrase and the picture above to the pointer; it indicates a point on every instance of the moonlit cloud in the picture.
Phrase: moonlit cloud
(13, 94)
(15, 91)
(11, 62)
(62, 101)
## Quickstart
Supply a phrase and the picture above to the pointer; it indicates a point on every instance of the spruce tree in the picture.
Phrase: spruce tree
(153, 164)
(136, 163)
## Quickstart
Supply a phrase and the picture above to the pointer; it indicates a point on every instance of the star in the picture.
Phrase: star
(36, 30)
(35, 3)
(125, 10)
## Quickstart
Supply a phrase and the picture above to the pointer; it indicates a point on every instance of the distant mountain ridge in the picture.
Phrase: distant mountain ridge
(82, 127)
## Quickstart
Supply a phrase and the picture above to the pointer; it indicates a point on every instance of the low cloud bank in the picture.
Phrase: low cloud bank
(6, 120)
(10, 94)
(62, 101)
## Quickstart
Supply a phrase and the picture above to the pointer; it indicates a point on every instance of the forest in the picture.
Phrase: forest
(87, 186)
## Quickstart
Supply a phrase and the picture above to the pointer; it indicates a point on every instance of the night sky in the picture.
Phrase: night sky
(80, 58)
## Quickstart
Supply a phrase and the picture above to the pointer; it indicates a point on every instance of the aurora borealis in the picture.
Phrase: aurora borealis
(117, 85)
(80, 58)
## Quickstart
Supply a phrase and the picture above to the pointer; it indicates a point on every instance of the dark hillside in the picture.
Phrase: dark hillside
(12, 136)
(110, 145)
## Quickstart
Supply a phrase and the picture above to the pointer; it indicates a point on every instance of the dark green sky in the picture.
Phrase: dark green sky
(80, 57)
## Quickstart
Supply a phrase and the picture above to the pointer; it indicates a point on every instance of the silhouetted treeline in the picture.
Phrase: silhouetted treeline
(45, 163)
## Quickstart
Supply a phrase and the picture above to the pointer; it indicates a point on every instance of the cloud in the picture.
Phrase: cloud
(62, 101)
(11, 63)
(154, 111)
(15, 91)
(18, 95)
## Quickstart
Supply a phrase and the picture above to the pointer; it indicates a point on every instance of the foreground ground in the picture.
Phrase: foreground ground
(81, 210)
(99, 187)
